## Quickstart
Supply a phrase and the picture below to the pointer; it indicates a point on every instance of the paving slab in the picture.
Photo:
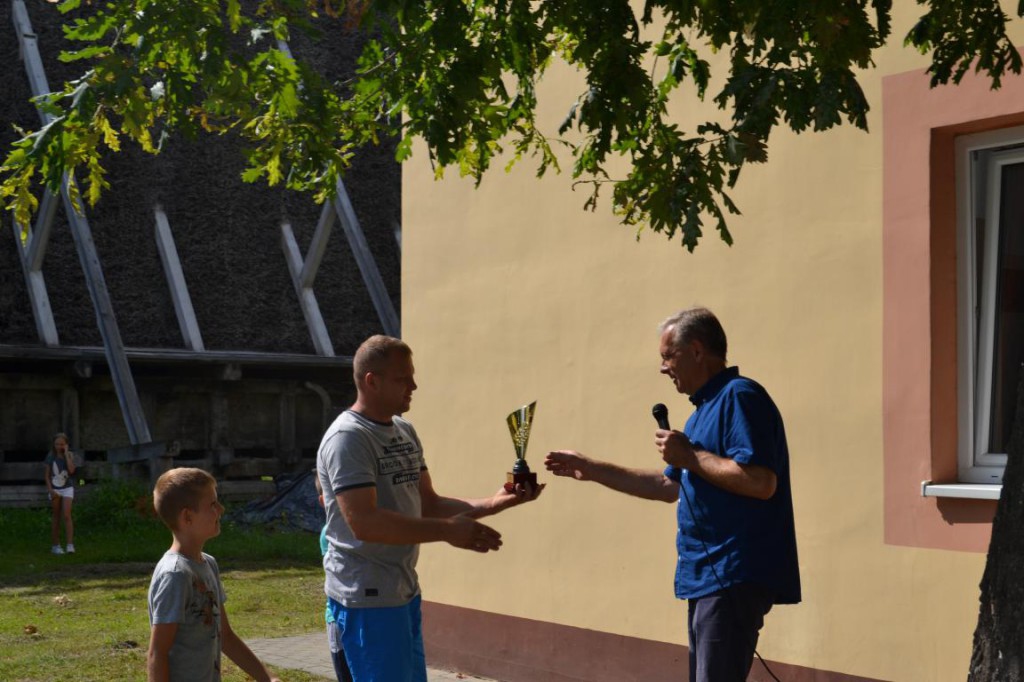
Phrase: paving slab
(309, 652)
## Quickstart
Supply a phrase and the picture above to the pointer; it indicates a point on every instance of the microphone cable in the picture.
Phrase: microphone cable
(707, 555)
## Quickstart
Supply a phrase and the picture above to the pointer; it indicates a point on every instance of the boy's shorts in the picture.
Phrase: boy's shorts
(341, 671)
(382, 644)
(333, 637)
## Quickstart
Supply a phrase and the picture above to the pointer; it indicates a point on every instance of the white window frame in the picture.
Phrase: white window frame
(978, 192)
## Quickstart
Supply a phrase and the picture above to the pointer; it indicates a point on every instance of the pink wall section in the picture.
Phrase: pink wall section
(919, 391)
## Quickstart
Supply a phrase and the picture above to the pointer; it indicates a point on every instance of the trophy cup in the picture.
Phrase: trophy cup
(519, 426)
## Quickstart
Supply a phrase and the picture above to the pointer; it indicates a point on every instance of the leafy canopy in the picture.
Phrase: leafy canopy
(462, 75)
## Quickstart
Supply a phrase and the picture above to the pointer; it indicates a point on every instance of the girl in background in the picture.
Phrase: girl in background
(60, 482)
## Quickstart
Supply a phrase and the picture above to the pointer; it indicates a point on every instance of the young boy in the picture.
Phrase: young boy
(341, 670)
(186, 600)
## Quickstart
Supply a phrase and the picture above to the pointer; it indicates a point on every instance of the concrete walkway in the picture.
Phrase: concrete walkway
(309, 652)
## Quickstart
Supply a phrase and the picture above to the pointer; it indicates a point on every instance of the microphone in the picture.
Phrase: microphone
(660, 413)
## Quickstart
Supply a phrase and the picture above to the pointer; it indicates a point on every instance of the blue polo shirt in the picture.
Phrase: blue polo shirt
(748, 540)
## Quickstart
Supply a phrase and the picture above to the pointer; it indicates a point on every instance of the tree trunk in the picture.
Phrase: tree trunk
(998, 654)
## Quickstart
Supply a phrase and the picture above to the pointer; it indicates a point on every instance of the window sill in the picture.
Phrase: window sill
(974, 491)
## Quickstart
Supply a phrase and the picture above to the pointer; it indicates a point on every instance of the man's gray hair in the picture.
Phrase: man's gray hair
(374, 353)
(699, 324)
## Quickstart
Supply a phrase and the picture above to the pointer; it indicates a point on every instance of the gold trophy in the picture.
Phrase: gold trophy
(519, 426)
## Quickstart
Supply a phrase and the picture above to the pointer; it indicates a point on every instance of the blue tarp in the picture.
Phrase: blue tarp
(294, 507)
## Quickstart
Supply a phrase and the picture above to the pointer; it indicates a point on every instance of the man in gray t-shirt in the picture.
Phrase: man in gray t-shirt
(360, 453)
(382, 507)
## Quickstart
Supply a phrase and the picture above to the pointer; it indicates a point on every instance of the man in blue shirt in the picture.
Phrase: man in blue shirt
(728, 472)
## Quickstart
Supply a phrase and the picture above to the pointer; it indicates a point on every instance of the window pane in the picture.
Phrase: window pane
(1009, 322)
(979, 188)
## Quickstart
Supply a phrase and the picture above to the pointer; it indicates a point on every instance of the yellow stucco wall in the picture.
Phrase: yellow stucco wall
(512, 293)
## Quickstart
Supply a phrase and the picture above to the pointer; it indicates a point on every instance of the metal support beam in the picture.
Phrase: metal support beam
(342, 207)
(317, 247)
(178, 356)
(124, 384)
(282, 45)
(367, 265)
(360, 249)
(33, 251)
(29, 51)
(46, 328)
(176, 282)
(41, 235)
(120, 372)
(307, 299)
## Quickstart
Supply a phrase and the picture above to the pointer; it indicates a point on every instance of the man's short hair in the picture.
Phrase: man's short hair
(699, 324)
(179, 489)
(374, 353)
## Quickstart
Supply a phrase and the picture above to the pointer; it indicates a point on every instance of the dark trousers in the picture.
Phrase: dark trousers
(723, 629)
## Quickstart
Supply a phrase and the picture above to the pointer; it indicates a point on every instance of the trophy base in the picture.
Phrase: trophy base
(523, 478)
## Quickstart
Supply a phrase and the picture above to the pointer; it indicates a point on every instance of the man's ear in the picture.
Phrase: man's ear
(697, 348)
(370, 380)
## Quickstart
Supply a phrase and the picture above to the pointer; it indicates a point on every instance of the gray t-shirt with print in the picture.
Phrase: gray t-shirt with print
(358, 452)
(189, 593)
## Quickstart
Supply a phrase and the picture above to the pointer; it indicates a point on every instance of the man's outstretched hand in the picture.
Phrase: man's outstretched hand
(467, 533)
(569, 463)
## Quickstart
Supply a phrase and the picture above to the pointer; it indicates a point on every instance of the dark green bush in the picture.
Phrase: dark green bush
(116, 504)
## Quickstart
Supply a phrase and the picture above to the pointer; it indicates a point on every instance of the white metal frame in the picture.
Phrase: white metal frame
(978, 195)
(88, 257)
(32, 251)
(389, 318)
(183, 308)
(303, 270)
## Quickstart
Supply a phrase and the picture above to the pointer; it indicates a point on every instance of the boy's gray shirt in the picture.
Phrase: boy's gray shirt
(357, 452)
(189, 593)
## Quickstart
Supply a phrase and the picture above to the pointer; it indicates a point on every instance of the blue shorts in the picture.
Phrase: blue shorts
(382, 644)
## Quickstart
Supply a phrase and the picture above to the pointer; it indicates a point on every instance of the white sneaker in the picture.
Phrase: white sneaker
(56, 550)
(71, 548)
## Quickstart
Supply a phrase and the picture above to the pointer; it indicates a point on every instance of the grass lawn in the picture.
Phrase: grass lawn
(83, 616)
